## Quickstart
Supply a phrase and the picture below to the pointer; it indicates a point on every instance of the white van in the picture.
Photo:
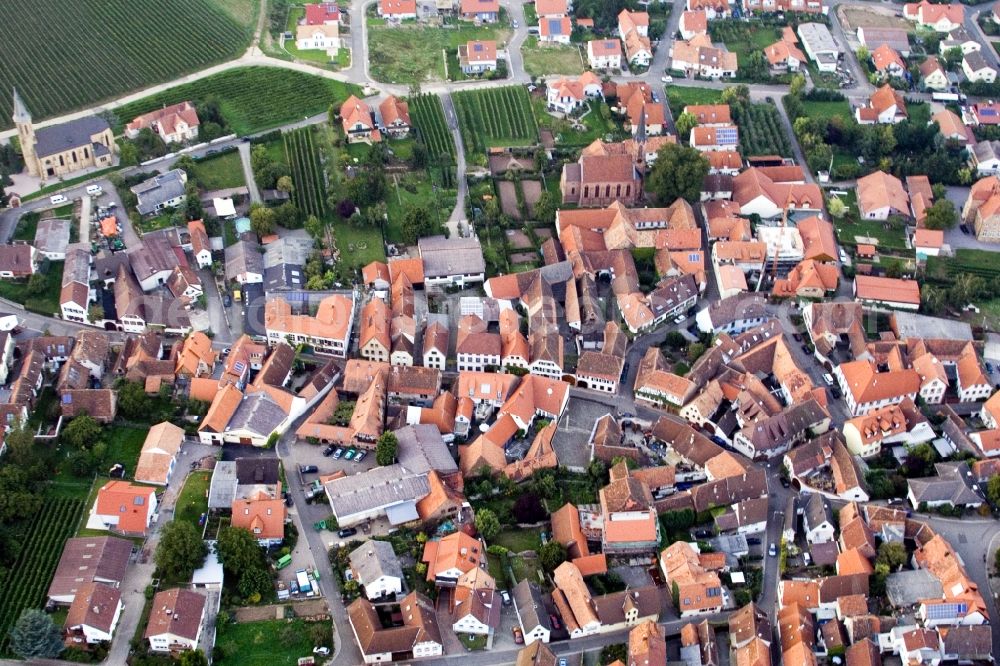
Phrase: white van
(94, 190)
(57, 199)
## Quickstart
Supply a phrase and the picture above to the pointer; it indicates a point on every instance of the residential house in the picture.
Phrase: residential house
(244, 263)
(374, 341)
(692, 24)
(887, 292)
(356, 119)
(566, 95)
(698, 57)
(93, 615)
(158, 456)
(604, 54)
(452, 556)
(784, 55)
(977, 69)
(960, 39)
(450, 261)
(123, 507)
(941, 18)
(200, 246)
(477, 56)
(554, 30)
(85, 560)
(376, 568)
(397, 10)
(715, 138)
(419, 636)
(894, 424)
(768, 191)
(18, 261)
(952, 128)
(885, 106)
(880, 195)
(629, 515)
(475, 604)
(175, 621)
(714, 9)
(395, 117)
(699, 590)
(165, 190)
(633, 28)
(872, 37)
(532, 615)
(74, 296)
(483, 11)
(263, 516)
(818, 519)
(329, 332)
(932, 75)
(887, 62)
(985, 157)
(866, 388)
(176, 123)
(953, 486)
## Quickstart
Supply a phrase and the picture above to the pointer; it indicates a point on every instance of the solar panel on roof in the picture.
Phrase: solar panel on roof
(240, 366)
(694, 256)
(477, 47)
(67, 398)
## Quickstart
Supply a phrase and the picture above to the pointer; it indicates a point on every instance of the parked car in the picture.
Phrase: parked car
(785, 483)
(805, 350)
(703, 534)
(227, 300)
(339, 452)
(328, 451)
(350, 454)
(346, 532)
(964, 228)
(506, 597)
(555, 621)
(323, 651)
(361, 456)
(679, 318)
(518, 635)
(57, 199)
(308, 469)
(667, 79)
(797, 336)
(94, 190)
(835, 392)
(828, 378)
(753, 541)
(225, 352)
(772, 550)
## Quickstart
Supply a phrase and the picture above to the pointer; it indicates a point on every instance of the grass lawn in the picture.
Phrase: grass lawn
(266, 643)
(598, 123)
(220, 172)
(349, 235)
(827, 110)
(526, 569)
(413, 53)
(681, 96)
(26, 228)
(46, 301)
(414, 189)
(193, 500)
(124, 446)
(316, 56)
(543, 60)
(473, 642)
(849, 227)
(518, 541)
(920, 114)
(161, 221)
(530, 15)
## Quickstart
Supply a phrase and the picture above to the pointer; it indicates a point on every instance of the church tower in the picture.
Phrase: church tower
(26, 133)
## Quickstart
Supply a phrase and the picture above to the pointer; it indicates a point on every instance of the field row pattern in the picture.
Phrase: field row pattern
(495, 116)
(66, 54)
(307, 176)
(40, 552)
(252, 99)
(427, 115)
(761, 132)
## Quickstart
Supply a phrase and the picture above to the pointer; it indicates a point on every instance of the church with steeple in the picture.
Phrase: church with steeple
(58, 150)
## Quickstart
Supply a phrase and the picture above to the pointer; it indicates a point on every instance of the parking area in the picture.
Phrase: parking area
(572, 439)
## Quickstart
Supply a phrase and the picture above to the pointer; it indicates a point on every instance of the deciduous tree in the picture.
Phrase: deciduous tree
(487, 523)
(677, 174)
(385, 449)
(180, 550)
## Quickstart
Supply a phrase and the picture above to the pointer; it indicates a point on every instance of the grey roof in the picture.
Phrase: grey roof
(159, 189)
(421, 449)
(970, 642)
(954, 483)
(89, 559)
(817, 38)
(529, 606)
(243, 257)
(374, 559)
(976, 61)
(287, 251)
(56, 139)
(958, 36)
(77, 265)
(817, 511)
(155, 256)
(671, 293)
(52, 235)
(402, 512)
(912, 325)
(894, 37)
(986, 150)
(222, 490)
(284, 277)
(377, 488)
(257, 413)
(907, 588)
(444, 257)
(258, 470)
(784, 427)
(741, 307)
